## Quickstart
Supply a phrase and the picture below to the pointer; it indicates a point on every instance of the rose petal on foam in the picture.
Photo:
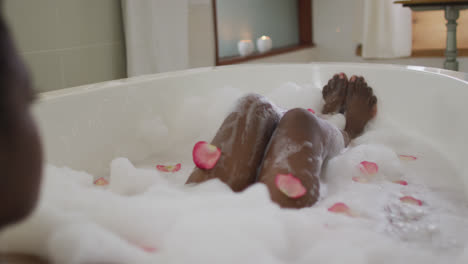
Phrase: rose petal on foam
(360, 179)
(369, 168)
(162, 168)
(407, 157)
(170, 168)
(149, 249)
(341, 208)
(290, 185)
(311, 110)
(205, 155)
(101, 182)
(411, 200)
(401, 182)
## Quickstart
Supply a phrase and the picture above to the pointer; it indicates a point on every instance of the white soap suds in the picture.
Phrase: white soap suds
(147, 216)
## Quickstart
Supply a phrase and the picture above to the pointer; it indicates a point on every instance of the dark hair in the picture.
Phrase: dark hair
(13, 78)
(7, 64)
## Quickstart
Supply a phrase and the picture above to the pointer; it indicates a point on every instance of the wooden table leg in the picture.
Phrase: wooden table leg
(6, 258)
(451, 14)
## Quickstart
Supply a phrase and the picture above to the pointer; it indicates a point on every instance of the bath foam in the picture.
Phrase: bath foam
(77, 222)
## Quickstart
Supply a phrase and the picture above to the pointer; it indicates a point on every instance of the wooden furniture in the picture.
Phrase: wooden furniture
(20, 259)
(452, 12)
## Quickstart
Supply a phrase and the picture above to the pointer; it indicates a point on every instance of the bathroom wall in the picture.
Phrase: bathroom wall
(336, 31)
(68, 42)
(73, 42)
(336, 26)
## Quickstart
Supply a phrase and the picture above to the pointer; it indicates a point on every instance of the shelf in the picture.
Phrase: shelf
(254, 56)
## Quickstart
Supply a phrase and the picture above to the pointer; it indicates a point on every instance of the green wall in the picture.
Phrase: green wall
(67, 43)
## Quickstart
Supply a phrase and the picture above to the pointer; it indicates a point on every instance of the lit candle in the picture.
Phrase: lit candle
(264, 44)
(245, 47)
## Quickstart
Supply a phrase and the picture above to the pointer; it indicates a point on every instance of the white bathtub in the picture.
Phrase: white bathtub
(86, 127)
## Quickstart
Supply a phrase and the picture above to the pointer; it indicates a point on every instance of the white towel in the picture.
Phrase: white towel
(387, 30)
(156, 35)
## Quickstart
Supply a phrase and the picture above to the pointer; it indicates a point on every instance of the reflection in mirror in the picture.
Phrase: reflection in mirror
(257, 28)
(251, 19)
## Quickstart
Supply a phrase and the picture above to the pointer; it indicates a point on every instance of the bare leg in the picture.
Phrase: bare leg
(302, 142)
(299, 146)
(242, 138)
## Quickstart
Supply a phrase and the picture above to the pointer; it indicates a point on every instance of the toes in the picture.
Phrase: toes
(373, 101)
(374, 109)
(359, 81)
(325, 90)
(338, 83)
(360, 86)
(352, 85)
(332, 81)
(342, 85)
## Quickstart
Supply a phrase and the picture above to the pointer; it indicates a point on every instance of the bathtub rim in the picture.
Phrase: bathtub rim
(45, 96)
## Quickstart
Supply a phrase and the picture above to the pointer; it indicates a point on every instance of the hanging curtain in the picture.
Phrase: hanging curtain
(386, 29)
(156, 35)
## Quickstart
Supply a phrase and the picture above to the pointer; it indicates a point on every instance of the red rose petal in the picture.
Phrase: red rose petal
(411, 200)
(407, 157)
(360, 179)
(369, 168)
(162, 168)
(149, 249)
(169, 168)
(101, 182)
(290, 185)
(341, 208)
(401, 182)
(205, 155)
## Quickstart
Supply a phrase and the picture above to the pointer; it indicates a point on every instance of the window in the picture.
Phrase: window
(288, 23)
(429, 33)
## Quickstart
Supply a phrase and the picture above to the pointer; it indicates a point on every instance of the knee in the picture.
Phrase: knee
(252, 99)
(300, 116)
(257, 104)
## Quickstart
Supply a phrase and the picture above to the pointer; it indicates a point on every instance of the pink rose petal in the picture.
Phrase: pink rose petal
(341, 208)
(149, 249)
(205, 155)
(368, 168)
(311, 110)
(101, 182)
(290, 185)
(169, 168)
(360, 179)
(407, 157)
(401, 182)
(411, 200)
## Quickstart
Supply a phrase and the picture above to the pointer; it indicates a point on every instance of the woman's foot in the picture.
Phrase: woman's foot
(334, 94)
(361, 106)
